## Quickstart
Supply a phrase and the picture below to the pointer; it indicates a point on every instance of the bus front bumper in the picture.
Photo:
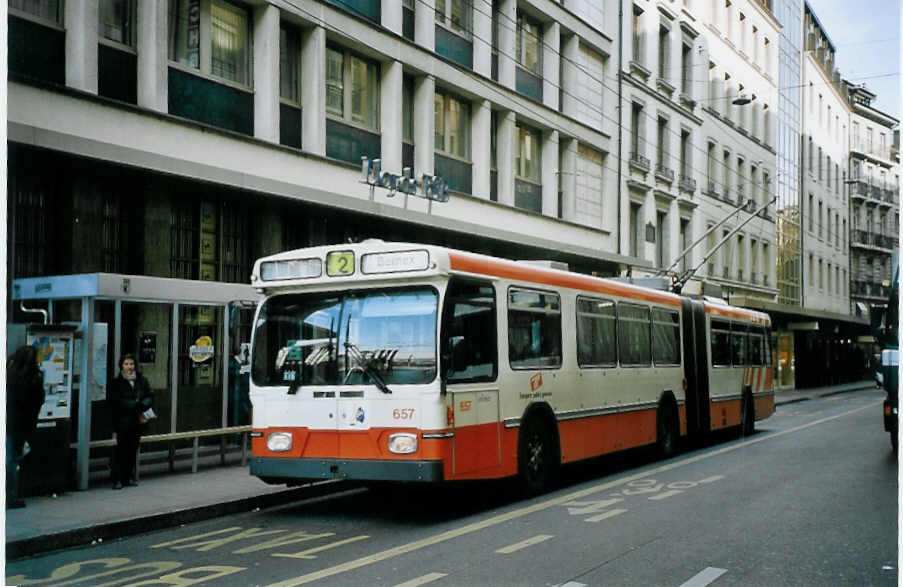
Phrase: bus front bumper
(288, 469)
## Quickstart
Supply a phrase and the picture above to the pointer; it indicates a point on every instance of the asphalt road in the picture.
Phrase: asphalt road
(809, 499)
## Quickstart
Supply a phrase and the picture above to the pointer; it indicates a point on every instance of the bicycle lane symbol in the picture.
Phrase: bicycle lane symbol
(650, 488)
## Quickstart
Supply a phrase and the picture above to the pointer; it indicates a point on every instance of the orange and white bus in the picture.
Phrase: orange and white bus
(411, 362)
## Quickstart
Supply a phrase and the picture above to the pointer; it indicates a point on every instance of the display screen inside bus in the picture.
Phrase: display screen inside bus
(349, 338)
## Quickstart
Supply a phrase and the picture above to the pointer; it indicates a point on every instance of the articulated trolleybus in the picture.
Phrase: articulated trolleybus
(409, 362)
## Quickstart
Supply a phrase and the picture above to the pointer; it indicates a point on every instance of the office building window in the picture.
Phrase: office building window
(352, 88)
(686, 69)
(589, 186)
(452, 126)
(637, 36)
(634, 235)
(43, 9)
(529, 44)
(664, 51)
(228, 56)
(455, 15)
(636, 130)
(290, 64)
(528, 162)
(117, 21)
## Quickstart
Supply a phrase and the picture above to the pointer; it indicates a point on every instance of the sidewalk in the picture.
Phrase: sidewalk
(80, 517)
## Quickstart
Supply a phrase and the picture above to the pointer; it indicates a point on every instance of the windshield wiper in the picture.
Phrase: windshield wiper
(365, 365)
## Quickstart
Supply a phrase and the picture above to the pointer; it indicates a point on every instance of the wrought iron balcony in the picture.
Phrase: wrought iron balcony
(686, 183)
(712, 190)
(664, 173)
(639, 161)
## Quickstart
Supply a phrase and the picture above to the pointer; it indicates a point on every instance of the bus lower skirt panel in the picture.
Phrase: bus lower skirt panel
(368, 470)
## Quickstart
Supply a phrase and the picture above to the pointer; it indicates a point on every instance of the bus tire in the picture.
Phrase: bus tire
(667, 430)
(537, 455)
(747, 415)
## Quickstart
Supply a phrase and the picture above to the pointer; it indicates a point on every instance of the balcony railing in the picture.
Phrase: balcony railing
(860, 287)
(686, 183)
(664, 173)
(874, 239)
(639, 161)
(712, 190)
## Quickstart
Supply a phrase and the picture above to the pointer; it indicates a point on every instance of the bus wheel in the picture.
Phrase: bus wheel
(667, 431)
(537, 458)
(748, 415)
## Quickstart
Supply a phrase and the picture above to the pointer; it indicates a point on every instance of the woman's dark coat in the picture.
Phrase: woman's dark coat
(127, 402)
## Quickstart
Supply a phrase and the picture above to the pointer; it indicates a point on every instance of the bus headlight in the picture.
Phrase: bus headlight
(403, 443)
(279, 441)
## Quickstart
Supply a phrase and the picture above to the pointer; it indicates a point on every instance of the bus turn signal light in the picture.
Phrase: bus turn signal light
(450, 416)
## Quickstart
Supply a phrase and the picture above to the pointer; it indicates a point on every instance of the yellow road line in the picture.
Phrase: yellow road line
(524, 543)
(428, 578)
(540, 506)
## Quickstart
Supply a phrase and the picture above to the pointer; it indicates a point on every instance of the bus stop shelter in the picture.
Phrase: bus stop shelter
(184, 334)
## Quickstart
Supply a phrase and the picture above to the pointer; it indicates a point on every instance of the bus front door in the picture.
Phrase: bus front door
(477, 429)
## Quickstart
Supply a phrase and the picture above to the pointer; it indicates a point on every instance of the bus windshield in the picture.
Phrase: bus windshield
(380, 337)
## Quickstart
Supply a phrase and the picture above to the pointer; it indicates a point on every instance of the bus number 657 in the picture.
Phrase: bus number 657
(403, 413)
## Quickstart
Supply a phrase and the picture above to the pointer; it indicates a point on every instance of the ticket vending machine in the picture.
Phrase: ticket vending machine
(48, 466)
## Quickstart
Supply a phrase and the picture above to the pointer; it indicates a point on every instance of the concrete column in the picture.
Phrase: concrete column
(568, 176)
(672, 248)
(551, 41)
(390, 115)
(550, 173)
(482, 37)
(391, 16)
(313, 91)
(424, 125)
(505, 157)
(266, 73)
(153, 69)
(424, 23)
(481, 145)
(570, 53)
(507, 41)
(81, 44)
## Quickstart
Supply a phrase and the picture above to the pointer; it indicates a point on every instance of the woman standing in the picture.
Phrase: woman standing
(130, 397)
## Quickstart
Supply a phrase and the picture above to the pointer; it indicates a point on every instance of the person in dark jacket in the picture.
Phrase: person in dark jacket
(129, 397)
(24, 398)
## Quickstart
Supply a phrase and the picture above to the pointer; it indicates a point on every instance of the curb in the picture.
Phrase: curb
(802, 398)
(26, 547)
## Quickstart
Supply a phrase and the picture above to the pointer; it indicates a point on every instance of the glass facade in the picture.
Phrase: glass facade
(790, 14)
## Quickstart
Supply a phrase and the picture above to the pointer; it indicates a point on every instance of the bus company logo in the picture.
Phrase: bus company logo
(465, 405)
(535, 382)
(359, 415)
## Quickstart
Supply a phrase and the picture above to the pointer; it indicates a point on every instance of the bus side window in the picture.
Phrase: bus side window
(721, 344)
(738, 344)
(596, 333)
(767, 346)
(534, 329)
(469, 342)
(634, 338)
(755, 346)
(665, 337)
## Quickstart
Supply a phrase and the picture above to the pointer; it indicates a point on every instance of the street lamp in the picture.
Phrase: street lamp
(743, 100)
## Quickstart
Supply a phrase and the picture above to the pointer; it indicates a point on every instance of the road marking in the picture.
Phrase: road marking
(524, 543)
(309, 552)
(665, 495)
(572, 584)
(605, 515)
(428, 578)
(590, 506)
(712, 479)
(544, 505)
(704, 577)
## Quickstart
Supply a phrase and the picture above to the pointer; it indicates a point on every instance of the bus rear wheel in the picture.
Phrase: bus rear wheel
(537, 456)
(667, 430)
(748, 416)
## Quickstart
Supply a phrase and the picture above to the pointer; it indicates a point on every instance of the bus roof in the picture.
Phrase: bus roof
(373, 260)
